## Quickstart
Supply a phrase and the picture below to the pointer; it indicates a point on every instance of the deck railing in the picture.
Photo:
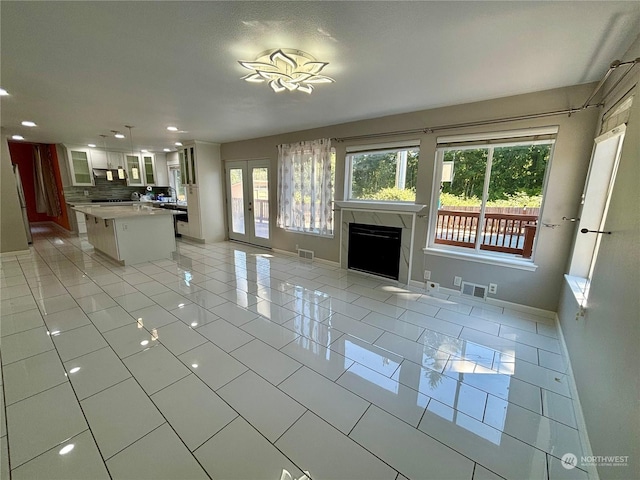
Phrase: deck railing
(501, 232)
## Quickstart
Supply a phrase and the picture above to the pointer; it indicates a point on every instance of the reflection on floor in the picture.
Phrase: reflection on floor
(233, 362)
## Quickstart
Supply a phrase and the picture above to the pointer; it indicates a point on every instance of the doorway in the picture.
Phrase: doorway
(248, 201)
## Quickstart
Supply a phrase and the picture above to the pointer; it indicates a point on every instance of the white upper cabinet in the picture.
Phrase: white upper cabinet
(188, 170)
(115, 160)
(80, 166)
(148, 164)
(99, 158)
(134, 172)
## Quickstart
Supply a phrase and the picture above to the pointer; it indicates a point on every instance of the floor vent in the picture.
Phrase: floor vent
(306, 255)
(473, 290)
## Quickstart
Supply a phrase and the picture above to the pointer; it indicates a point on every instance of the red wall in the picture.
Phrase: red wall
(22, 155)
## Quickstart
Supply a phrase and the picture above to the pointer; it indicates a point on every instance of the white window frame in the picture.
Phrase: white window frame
(596, 197)
(490, 141)
(377, 148)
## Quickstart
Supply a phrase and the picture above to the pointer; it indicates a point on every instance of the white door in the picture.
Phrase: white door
(248, 201)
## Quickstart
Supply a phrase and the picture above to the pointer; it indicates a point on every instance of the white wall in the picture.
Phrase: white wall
(603, 345)
(572, 152)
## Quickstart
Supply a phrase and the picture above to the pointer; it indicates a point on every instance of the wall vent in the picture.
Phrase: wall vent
(306, 255)
(474, 290)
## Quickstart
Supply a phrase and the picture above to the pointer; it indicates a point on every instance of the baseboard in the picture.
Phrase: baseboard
(15, 253)
(591, 469)
(315, 259)
(421, 286)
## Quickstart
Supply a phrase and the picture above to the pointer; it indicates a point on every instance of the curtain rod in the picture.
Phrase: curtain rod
(568, 111)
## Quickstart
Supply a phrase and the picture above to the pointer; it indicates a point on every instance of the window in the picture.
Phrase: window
(595, 204)
(306, 177)
(383, 174)
(489, 193)
(175, 181)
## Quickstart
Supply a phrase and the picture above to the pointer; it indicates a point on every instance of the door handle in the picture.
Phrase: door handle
(586, 230)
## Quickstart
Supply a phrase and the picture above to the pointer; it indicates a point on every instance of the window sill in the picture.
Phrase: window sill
(313, 234)
(578, 285)
(486, 259)
(386, 206)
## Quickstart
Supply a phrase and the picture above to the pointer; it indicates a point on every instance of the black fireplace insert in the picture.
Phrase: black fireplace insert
(375, 249)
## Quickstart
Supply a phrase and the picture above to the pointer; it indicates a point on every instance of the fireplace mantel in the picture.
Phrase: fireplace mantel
(379, 206)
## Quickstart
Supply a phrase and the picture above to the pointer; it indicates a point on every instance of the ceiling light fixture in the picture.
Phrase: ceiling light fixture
(117, 134)
(171, 128)
(91, 145)
(286, 69)
(29, 123)
(178, 144)
(166, 149)
(3, 92)
(144, 151)
(17, 137)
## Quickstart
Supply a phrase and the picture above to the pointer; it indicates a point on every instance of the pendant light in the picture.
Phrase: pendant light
(135, 172)
(106, 156)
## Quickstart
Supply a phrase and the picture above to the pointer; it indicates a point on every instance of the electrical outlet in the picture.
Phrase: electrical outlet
(457, 281)
(493, 288)
(432, 286)
(427, 274)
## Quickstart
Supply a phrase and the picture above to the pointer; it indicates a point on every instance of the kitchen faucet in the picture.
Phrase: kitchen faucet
(174, 195)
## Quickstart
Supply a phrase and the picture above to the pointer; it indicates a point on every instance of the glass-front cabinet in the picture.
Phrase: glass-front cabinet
(134, 172)
(149, 168)
(187, 156)
(80, 166)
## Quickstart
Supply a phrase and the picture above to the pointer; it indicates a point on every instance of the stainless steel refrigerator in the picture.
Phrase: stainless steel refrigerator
(23, 203)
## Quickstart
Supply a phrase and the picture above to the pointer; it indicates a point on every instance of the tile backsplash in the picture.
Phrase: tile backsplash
(107, 190)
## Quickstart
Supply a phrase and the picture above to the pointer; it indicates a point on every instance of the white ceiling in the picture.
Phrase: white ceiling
(80, 69)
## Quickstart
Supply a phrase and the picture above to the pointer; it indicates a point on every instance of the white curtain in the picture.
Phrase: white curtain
(305, 189)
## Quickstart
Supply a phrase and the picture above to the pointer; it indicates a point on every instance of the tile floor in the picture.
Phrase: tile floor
(233, 362)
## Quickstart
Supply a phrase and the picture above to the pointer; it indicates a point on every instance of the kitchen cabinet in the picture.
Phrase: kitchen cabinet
(149, 168)
(130, 234)
(81, 222)
(134, 172)
(80, 166)
(99, 158)
(193, 210)
(115, 160)
(202, 173)
(182, 227)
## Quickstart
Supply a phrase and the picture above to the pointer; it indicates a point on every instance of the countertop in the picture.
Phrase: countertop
(124, 211)
(177, 206)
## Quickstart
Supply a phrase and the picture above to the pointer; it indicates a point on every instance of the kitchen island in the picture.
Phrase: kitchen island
(130, 233)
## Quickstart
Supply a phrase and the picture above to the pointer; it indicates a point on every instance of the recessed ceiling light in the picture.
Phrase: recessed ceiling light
(29, 123)
(3, 92)
(166, 149)
(17, 137)
(178, 144)
(144, 151)
(119, 135)
(92, 145)
(66, 449)
(171, 128)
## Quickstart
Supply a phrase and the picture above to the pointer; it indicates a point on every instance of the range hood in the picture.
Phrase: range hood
(102, 173)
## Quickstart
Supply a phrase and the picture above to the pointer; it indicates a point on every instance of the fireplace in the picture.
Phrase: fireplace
(375, 249)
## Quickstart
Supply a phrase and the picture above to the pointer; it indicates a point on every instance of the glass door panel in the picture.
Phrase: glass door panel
(260, 187)
(248, 201)
(237, 200)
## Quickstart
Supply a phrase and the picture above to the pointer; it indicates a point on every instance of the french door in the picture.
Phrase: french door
(248, 201)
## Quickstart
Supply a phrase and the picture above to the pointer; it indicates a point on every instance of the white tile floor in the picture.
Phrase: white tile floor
(233, 362)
